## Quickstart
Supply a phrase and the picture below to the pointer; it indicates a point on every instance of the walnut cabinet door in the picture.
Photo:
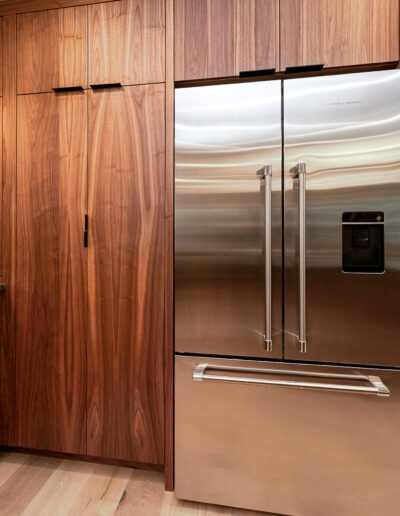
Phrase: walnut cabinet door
(126, 274)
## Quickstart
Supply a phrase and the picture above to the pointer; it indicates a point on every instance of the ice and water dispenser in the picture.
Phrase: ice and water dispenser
(363, 242)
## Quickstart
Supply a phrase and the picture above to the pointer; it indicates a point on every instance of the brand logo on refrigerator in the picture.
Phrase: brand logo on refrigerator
(343, 103)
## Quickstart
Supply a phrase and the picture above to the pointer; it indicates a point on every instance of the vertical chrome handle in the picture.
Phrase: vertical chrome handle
(301, 173)
(266, 174)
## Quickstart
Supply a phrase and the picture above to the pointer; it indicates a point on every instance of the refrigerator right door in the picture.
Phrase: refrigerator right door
(342, 218)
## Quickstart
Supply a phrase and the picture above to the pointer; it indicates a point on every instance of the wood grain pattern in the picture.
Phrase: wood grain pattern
(127, 42)
(385, 38)
(338, 32)
(35, 486)
(8, 7)
(257, 41)
(8, 235)
(220, 38)
(1, 57)
(52, 49)
(51, 272)
(169, 247)
(126, 274)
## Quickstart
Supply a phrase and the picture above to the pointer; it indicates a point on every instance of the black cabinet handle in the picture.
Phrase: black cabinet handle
(305, 68)
(67, 88)
(3, 287)
(86, 231)
(257, 73)
(107, 85)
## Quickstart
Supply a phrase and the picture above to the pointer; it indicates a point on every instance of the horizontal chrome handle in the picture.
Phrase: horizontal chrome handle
(377, 386)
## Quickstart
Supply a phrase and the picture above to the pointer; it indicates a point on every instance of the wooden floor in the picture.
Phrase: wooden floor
(37, 485)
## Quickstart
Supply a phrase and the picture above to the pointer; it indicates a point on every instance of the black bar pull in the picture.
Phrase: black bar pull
(86, 231)
(107, 85)
(3, 287)
(257, 73)
(67, 88)
(305, 68)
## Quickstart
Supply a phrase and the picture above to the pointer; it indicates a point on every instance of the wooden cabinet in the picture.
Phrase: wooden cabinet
(338, 32)
(127, 42)
(52, 49)
(221, 38)
(51, 272)
(126, 274)
(7, 375)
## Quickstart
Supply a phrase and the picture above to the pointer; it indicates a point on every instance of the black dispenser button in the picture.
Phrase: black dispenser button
(363, 242)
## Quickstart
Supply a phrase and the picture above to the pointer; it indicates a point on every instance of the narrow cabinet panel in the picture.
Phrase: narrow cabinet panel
(52, 49)
(7, 234)
(7, 375)
(126, 274)
(1, 57)
(339, 32)
(51, 272)
(221, 38)
(127, 42)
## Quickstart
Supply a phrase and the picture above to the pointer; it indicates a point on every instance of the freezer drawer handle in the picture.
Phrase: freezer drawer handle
(377, 386)
(266, 174)
(300, 174)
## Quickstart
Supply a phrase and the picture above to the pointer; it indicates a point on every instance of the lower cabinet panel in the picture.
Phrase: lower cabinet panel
(284, 449)
(126, 274)
(51, 273)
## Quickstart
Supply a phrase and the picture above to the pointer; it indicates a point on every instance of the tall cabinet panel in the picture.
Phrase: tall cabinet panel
(127, 42)
(220, 38)
(338, 32)
(126, 274)
(6, 345)
(52, 49)
(51, 272)
(7, 233)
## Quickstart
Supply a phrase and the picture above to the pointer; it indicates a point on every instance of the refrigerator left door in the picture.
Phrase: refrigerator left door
(228, 220)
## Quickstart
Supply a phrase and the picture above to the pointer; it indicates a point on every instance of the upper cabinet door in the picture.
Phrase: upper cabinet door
(127, 42)
(52, 49)
(221, 38)
(338, 32)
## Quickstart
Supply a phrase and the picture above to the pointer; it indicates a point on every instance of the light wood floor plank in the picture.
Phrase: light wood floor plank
(102, 492)
(17, 492)
(61, 489)
(43, 486)
(144, 494)
(9, 463)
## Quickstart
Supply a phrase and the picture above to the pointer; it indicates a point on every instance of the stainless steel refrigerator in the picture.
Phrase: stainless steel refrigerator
(287, 295)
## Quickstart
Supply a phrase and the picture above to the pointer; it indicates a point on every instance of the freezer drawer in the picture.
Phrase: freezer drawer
(277, 442)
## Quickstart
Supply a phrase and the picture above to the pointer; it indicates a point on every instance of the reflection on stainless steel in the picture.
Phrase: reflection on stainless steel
(349, 138)
(223, 136)
(303, 452)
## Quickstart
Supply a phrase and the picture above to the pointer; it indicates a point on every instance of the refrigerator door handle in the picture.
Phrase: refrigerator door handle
(266, 174)
(300, 173)
(376, 385)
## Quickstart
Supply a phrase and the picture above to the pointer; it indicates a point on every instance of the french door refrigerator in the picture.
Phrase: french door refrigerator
(287, 295)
